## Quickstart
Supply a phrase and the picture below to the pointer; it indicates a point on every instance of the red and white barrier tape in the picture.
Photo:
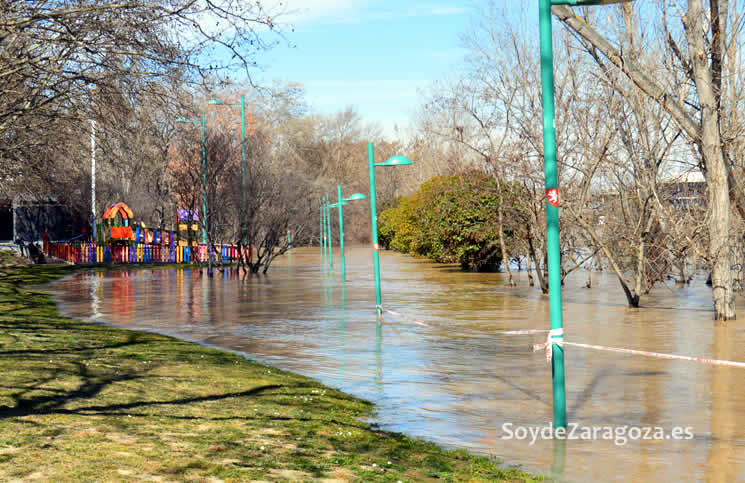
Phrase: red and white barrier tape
(658, 355)
(444, 327)
(556, 336)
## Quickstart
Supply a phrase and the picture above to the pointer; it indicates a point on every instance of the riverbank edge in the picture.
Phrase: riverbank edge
(93, 401)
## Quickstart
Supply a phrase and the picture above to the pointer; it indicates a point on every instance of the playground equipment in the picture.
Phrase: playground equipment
(121, 240)
(188, 227)
(118, 230)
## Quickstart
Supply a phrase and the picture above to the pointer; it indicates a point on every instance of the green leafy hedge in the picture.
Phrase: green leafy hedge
(450, 219)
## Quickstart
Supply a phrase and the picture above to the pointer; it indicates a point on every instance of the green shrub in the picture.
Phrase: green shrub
(450, 219)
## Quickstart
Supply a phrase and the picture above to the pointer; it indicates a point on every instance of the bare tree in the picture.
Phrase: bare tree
(277, 204)
(703, 45)
(58, 57)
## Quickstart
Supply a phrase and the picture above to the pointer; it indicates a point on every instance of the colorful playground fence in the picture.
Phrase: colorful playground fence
(89, 252)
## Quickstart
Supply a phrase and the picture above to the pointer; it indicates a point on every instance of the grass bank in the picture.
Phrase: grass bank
(82, 402)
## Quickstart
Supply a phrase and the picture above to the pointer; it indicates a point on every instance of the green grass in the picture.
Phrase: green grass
(82, 402)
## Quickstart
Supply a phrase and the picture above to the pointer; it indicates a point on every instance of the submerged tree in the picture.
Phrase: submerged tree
(277, 204)
(699, 89)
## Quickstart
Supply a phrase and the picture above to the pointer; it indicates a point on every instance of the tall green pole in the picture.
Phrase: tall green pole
(341, 234)
(204, 178)
(325, 230)
(321, 244)
(242, 103)
(374, 223)
(552, 212)
(243, 165)
(330, 239)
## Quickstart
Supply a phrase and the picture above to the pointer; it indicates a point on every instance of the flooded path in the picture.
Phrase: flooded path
(458, 389)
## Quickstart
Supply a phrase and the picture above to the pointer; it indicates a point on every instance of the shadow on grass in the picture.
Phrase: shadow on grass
(25, 404)
(54, 365)
(69, 351)
(68, 385)
(45, 405)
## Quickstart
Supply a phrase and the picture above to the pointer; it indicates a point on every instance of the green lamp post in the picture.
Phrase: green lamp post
(328, 232)
(580, 3)
(339, 204)
(321, 242)
(242, 103)
(371, 164)
(204, 171)
(320, 230)
(552, 198)
(324, 202)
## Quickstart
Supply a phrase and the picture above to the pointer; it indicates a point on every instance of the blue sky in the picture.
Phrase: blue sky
(372, 55)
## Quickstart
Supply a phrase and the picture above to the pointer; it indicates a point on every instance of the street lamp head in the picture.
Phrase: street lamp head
(395, 161)
(578, 3)
(218, 102)
(336, 205)
(356, 196)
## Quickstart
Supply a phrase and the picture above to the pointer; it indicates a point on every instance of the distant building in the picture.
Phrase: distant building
(686, 190)
(681, 190)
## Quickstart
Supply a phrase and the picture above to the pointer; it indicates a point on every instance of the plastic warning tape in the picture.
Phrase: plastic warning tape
(556, 336)
(444, 327)
(547, 345)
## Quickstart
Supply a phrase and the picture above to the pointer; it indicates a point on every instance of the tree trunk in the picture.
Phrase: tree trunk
(543, 281)
(681, 271)
(736, 266)
(503, 247)
(722, 288)
(631, 299)
(210, 268)
(710, 147)
(244, 257)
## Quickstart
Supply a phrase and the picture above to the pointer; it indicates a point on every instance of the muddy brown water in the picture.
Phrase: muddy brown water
(469, 386)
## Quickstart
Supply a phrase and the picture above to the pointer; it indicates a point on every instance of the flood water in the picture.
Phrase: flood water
(469, 386)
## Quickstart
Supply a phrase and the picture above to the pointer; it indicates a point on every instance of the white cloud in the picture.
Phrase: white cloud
(301, 12)
(365, 84)
(371, 97)
(334, 12)
(448, 11)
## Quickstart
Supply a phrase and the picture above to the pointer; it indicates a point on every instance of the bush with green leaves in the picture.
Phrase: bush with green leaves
(450, 219)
